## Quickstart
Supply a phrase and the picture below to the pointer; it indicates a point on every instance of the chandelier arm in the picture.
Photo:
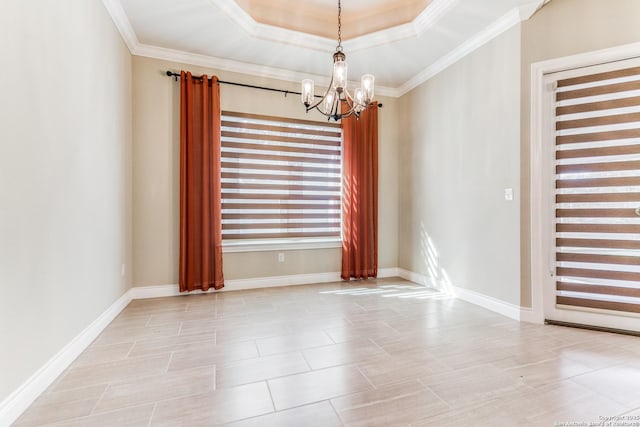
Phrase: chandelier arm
(350, 103)
(348, 98)
(347, 114)
(336, 107)
(340, 94)
(311, 107)
(324, 96)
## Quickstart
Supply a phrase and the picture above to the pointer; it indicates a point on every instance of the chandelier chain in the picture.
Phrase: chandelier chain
(339, 47)
(337, 103)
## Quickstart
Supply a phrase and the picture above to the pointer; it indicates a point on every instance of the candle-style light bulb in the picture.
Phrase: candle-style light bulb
(307, 92)
(368, 82)
(339, 76)
(328, 102)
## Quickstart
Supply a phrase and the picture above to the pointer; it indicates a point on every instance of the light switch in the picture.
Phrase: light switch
(508, 194)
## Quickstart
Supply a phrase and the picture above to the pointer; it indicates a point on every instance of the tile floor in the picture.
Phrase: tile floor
(379, 353)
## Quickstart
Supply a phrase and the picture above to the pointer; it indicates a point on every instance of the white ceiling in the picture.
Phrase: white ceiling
(222, 35)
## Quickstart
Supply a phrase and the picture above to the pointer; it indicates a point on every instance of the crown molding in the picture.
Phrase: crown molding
(241, 67)
(504, 23)
(270, 32)
(424, 21)
(530, 9)
(432, 14)
(429, 17)
(501, 25)
(119, 17)
(223, 64)
(389, 35)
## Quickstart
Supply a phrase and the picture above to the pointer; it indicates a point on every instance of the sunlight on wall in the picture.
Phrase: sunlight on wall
(437, 277)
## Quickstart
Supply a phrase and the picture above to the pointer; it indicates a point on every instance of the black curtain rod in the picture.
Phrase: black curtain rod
(176, 75)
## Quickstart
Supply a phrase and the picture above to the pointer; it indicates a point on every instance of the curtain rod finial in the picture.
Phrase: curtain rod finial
(170, 73)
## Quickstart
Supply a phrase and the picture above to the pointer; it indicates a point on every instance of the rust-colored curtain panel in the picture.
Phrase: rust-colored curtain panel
(360, 196)
(200, 203)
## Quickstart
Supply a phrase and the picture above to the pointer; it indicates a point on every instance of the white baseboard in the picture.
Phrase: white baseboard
(143, 292)
(531, 315)
(18, 401)
(498, 306)
(156, 291)
(388, 272)
(14, 405)
(421, 279)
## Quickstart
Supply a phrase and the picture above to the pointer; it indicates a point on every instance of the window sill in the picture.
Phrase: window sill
(279, 246)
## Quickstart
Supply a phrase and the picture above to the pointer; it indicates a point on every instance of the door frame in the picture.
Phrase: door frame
(541, 162)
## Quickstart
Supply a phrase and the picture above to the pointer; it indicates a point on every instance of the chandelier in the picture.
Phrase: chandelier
(336, 102)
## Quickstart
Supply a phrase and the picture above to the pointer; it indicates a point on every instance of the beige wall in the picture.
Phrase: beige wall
(65, 152)
(563, 28)
(459, 150)
(448, 149)
(156, 176)
(462, 124)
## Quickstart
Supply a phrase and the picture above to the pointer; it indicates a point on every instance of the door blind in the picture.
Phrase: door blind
(598, 191)
(281, 178)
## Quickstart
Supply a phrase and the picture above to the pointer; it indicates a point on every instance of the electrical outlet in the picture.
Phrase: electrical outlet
(281, 257)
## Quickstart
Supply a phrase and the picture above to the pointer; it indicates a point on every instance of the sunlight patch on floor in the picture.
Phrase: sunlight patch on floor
(395, 291)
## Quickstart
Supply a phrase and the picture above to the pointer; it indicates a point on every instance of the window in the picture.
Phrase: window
(281, 180)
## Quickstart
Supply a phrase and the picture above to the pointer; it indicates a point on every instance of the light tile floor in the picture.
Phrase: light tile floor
(376, 353)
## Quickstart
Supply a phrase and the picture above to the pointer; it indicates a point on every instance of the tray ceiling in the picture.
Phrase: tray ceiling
(401, 42)
(320, 17)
